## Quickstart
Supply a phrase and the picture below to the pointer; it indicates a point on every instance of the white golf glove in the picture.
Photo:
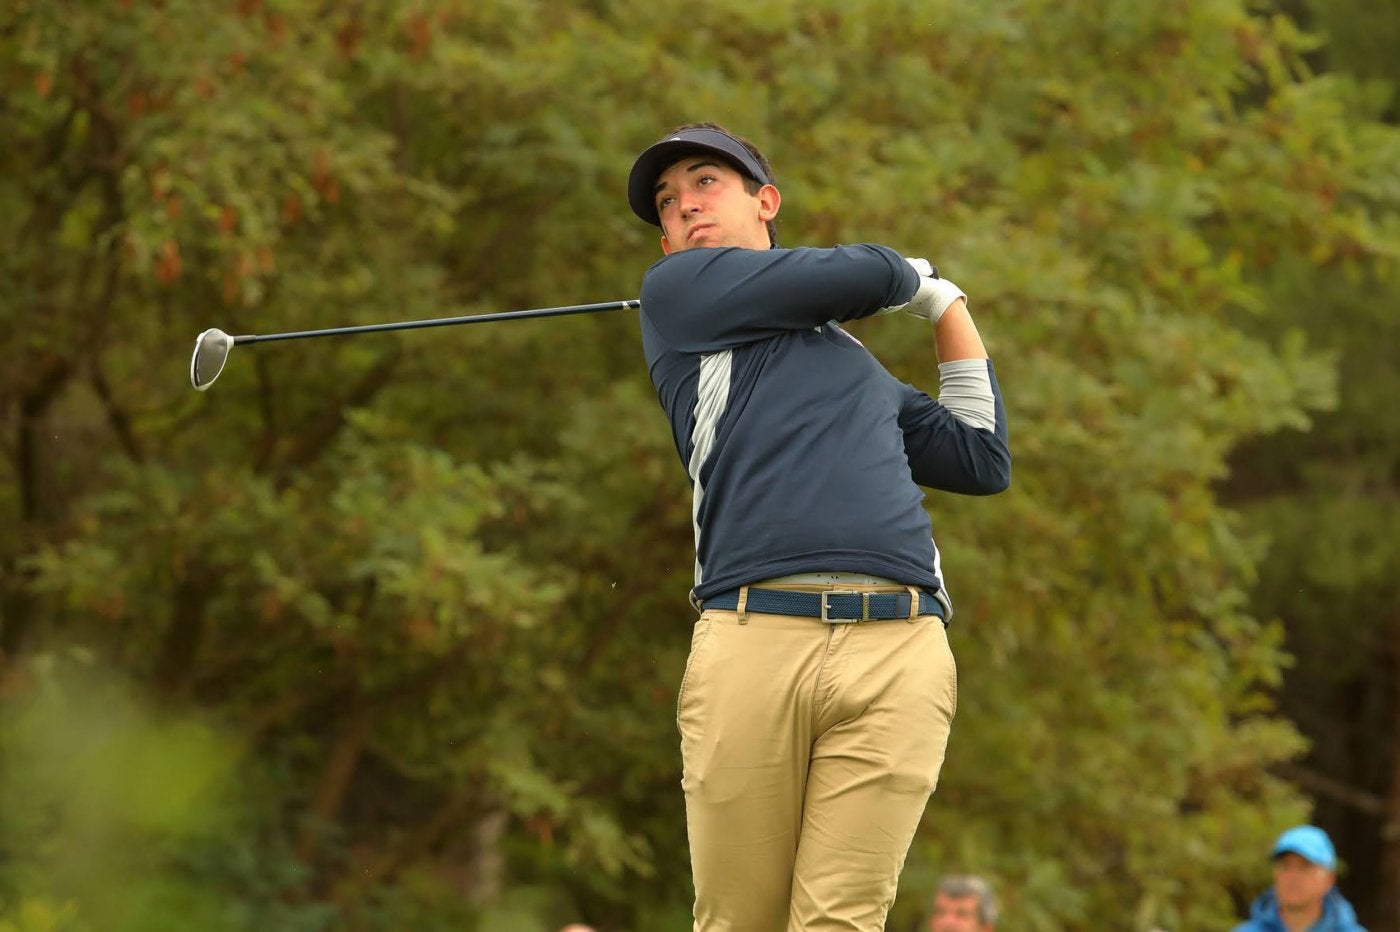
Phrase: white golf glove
(933, 296)
(923, 267)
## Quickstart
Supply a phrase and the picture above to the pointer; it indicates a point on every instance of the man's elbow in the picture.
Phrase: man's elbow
(995, 476)
(995, 481)
(986, 477)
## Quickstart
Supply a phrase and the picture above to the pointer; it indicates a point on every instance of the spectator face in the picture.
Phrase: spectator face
(1299, 883)
(956, 914)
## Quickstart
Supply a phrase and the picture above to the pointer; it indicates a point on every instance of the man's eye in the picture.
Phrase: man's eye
(664, 202)
(706, 179)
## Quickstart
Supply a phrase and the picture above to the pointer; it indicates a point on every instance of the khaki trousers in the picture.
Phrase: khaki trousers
(809, 751)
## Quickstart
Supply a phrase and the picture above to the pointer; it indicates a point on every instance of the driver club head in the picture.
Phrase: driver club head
(211, 349)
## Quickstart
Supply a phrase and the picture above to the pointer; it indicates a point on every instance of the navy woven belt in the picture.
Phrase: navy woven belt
(833, 605)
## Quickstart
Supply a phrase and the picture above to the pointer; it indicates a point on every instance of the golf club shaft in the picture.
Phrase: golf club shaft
(439, 322)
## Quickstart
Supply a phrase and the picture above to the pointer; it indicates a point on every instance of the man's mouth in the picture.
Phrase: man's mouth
(698, 229)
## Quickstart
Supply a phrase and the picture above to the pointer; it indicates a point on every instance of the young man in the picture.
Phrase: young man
(964, 903)
(1304, 897)
(820, 689)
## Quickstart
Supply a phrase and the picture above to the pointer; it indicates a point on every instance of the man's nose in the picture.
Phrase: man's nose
(690, 202)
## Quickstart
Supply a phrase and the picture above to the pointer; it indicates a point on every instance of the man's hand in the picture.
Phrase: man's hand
(925, 268)
(934, 295)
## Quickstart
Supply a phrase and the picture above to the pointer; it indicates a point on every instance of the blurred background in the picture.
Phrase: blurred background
(384, 632)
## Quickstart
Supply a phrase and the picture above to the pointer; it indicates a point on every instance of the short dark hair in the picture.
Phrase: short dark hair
(751, 185)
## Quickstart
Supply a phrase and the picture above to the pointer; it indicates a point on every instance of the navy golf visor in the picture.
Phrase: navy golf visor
(641, 184)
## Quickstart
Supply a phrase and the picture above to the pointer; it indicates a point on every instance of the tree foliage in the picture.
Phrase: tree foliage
(421, 597)
(1326, 498)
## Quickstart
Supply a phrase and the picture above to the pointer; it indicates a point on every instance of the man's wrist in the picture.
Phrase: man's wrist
(934, 297)
(944, 316)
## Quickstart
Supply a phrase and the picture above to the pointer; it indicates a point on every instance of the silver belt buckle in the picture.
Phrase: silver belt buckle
(826, 607)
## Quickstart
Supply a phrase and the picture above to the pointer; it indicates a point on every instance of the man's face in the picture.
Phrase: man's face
(702, 201)
(1299, 883)
(956, 914)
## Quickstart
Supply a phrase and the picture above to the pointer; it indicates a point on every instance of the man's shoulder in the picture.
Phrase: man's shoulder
(1262, 917)
(1338, 914)
(703, 255)
(676, 275)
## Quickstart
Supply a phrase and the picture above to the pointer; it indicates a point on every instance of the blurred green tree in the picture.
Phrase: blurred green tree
(1326, 498)
(431, 587)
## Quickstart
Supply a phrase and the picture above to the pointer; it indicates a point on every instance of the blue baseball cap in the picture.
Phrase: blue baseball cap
(1307, 841)
(641, 183)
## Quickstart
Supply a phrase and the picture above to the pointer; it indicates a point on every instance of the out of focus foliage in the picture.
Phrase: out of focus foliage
(1329, 498)
(384, 632)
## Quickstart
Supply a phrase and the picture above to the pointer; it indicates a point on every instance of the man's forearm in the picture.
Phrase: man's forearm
(956, 336)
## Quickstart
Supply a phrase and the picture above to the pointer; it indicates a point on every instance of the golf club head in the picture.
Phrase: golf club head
(211, 349)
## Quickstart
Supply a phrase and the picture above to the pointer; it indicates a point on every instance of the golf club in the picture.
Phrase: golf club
(211, 348)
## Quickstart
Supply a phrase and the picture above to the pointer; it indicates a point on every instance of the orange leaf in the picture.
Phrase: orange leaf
(321, 178)
(168, 261)
(291, 209)
(320, 167)
(276, 24)
(348, 37)
(420, 35)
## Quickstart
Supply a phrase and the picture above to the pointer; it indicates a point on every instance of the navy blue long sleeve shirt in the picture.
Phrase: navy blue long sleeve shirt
(804, 453)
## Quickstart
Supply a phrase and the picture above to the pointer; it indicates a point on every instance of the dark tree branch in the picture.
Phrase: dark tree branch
(1390, 832)
(311, 441)
(1333, 789)
(336, 776)
(53, 375)
(117, 417)
(453, 811)
(186, 631)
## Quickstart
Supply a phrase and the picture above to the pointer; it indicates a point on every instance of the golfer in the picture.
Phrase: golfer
(820, 689)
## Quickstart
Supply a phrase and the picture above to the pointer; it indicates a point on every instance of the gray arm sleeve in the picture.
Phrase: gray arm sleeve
(965, 389)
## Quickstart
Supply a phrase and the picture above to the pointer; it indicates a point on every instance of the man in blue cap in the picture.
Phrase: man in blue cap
(1304, 897)
(820, 689)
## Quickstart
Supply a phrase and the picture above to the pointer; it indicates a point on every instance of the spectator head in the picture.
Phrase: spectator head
(1305, 865)
(964, 903)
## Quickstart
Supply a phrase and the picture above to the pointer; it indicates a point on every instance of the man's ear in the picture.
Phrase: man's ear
(665, 244)
(769, 200)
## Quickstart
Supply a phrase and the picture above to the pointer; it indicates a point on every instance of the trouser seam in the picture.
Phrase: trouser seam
(818, 701)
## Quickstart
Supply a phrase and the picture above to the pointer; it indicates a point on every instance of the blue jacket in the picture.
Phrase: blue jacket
(804, 453)
(1337, 915)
